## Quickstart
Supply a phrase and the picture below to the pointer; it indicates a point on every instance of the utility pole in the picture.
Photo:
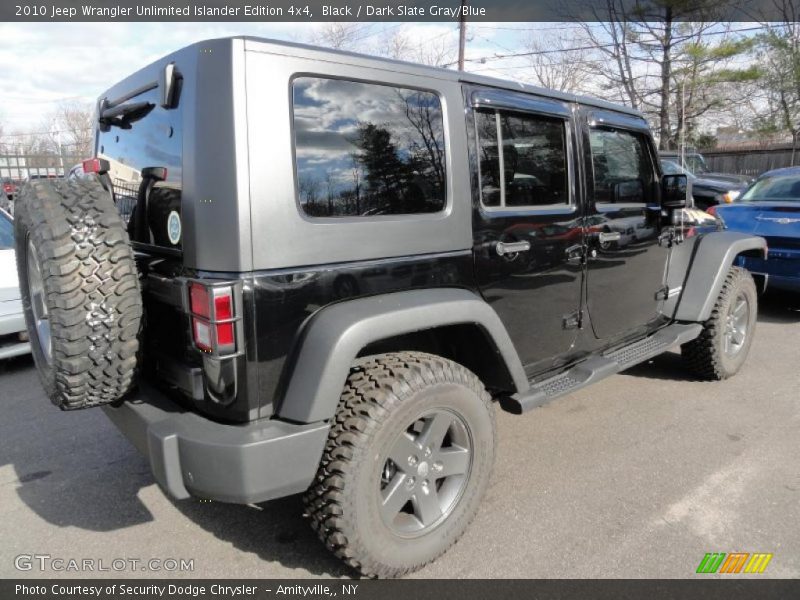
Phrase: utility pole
(462, 34)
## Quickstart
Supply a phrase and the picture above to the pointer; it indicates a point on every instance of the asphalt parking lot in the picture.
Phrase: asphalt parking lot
(637, 476)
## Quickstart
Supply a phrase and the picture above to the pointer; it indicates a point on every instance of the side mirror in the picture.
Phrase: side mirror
(675, 191)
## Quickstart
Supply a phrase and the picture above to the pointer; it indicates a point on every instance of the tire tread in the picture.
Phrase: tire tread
(376, 385)
(92, 289)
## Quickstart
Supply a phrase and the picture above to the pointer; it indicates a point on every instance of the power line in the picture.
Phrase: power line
(560, 28)
(484, 59)
(5, 135)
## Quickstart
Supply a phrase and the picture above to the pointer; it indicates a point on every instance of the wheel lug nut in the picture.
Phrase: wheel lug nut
(412, 461)
(438, 466)
(410, 482)
(428, 452)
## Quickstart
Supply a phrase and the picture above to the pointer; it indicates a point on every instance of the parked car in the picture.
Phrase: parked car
(13, 334)
(6, 203)
(9, 188)
(695, 164)
(362, 271)
(705, 192)
(770, 208)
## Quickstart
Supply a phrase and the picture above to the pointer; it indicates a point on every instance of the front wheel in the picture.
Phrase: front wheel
(407, 462)
(727, 335)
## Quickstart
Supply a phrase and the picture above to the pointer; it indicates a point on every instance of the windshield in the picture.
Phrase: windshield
(785, 188)
(670, 167)
(6, 232)
(696, 164)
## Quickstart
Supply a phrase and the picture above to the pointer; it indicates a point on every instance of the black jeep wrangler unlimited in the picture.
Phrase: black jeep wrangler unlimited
(295, 270)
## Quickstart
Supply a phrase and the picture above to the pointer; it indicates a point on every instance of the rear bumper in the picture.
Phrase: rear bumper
(194, 456)
(11, 325)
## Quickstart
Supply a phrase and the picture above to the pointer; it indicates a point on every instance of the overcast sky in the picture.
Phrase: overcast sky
(44, 64)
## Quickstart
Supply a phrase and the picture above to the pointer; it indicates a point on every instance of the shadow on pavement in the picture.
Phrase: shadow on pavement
(275, 531)
(71, 468)
(74, 469)
(664, 366)
(778, 306)
(774, 307)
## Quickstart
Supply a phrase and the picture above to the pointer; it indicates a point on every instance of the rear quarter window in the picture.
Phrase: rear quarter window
(366, 149)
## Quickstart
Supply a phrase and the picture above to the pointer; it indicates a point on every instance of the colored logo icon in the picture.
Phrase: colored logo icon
(735, 562)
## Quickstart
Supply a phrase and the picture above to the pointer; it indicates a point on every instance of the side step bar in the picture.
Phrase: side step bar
(599, 367)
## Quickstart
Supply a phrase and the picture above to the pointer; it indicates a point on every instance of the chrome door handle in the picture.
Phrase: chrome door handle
(503, 248)
(609, 236)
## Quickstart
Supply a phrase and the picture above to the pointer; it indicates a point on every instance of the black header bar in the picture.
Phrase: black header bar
(301, 11)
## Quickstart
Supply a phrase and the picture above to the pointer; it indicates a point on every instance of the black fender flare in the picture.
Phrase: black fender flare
(713, 256)
(334, 335)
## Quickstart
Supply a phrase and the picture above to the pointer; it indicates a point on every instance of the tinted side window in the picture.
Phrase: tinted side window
(533, 159)
(623, 168)
(489, 157)
(6, 233)
(366, 149)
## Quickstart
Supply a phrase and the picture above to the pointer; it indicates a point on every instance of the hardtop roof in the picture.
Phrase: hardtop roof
(443, 73)
(293, 48)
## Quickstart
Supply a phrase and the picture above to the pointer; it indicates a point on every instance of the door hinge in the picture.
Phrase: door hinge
(573, 320)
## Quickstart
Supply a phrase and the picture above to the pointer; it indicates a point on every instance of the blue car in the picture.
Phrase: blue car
(770, 208)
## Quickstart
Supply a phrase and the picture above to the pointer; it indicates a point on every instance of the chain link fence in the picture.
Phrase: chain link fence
(16, 169)
(19, 167)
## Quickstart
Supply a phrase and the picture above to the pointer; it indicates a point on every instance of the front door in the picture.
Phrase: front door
(626, 242)
(527, 234)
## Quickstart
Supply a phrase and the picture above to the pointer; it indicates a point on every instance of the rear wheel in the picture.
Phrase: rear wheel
(80, 291)
(407, 462)
(722, 347)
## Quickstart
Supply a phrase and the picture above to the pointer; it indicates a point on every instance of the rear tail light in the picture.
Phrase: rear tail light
(213, 313)
(95, 165)
(223, 309)
(712, 210)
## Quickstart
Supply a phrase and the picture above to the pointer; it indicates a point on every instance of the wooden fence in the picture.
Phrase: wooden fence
(751, 161)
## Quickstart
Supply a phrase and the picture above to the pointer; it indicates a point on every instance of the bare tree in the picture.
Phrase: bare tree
(74, 123)
(560, 63)
(339, 35)
(779, 66)
(613, 45)
(658, 56)
(309, 193)
(437, 51)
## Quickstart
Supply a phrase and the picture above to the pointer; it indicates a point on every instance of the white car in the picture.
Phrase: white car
(13, 335)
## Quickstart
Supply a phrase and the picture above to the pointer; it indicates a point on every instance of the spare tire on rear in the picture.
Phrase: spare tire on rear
(80, 291)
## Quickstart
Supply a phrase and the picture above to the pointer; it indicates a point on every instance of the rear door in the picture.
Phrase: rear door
(627, 240)
(527, 234)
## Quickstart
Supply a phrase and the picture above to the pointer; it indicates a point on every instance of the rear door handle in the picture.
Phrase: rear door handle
(504, 248)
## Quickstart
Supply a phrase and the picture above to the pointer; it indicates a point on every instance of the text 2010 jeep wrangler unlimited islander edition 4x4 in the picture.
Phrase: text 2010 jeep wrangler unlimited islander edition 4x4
(295, 270)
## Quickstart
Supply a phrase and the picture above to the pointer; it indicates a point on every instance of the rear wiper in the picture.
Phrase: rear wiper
(124, 115)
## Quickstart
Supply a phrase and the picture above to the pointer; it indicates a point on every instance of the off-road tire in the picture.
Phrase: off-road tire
(381, 397)
(705, 355)
(91, 290)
